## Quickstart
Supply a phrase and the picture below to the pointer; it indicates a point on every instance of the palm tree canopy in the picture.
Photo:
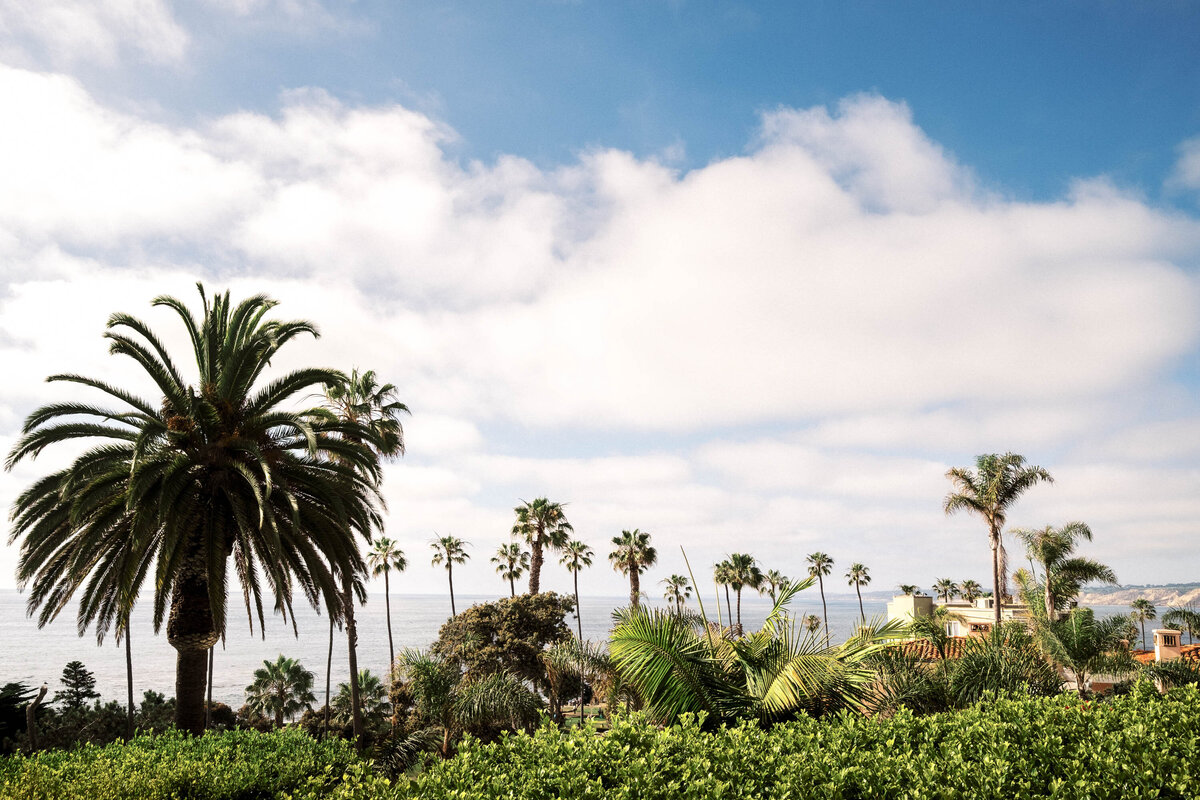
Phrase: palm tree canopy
(449, 550)
(544, 519)
(945, 588)
(819, 564)
(970, 590)
(361, 399)
(281, 688)
(385, 556)
(576, 555)
(511, 561)
(217, 470)
(633, 552)
(858, 575)
(744, 572)
(909, 588)
(679, 589)
(995, 483)
(1143, 609)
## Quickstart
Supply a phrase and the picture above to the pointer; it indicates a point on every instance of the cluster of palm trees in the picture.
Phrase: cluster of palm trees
(946, 589)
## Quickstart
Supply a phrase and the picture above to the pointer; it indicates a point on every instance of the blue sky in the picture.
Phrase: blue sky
(747, 276)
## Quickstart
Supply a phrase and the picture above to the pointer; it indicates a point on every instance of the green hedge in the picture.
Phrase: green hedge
(1139, 746)
(234, 765)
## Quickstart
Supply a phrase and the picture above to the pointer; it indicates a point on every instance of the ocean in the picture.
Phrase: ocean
(32, 655)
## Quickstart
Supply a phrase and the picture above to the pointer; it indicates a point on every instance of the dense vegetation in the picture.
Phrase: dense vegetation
(1137, 746)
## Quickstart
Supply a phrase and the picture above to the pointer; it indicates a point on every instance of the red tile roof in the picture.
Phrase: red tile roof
(925, 649)
(1189, 652)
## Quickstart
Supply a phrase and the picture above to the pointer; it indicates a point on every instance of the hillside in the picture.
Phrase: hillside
(1177, 594)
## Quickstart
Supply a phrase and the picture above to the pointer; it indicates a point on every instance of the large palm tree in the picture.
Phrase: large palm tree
(989, 491)
(678, 591)
(743, 572)
(449, 550)
(373, 694)
(361, 401)
(1063, 574)
(1143, 610)
(540, 524)
(511, 562)
(217, 472)
(577, 555)
(633, 556)
(384, 557)
(945, 589)
(970, 590)
(820, 565)
(773, 581)
(281, 689)
(859, 576)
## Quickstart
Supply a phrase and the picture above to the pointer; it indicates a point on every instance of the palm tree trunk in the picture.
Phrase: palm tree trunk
(128, 682)
(190, 630)
(739, 609)
(512, 585)
(328, 674)
(450, 573)
(862, 614)
(728, 607)
(1049, 599)
(997, 598)
(208, 705)
(535, 563)
(579, 623)
(635, 588)
(387, 601)
(352, 642)
(824, 607)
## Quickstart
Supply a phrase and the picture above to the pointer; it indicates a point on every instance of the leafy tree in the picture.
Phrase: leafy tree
(371, 412)
(13, 699)
(970, 590)
(511, 562)
(1187, 620)
(281, 689)
(506, 636)
(577, 555)
(820, 565)
(384, 557)
(859, 576)
(945, 589)
(989, 491)
(79, 686)
(632, 556)
(678, 591)
(449, 550)
(773, 581)
(1143, 610)
(204, 476)
(1063, 574)
(540, 524)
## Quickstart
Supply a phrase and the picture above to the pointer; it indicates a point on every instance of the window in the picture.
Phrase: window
(1170, 640)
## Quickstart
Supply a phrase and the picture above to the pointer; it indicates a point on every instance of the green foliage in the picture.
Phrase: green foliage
(507, 636)
(232, 764)
(282, 689)
(13, 699)
(79, 686)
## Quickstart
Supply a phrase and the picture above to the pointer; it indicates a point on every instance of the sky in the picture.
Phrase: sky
(750, 277)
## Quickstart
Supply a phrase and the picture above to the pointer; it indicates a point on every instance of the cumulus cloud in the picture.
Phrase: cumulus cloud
(72, 32)
(775, 351)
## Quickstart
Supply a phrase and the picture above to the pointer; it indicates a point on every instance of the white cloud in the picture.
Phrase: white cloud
(1187, 169)
(73, 32)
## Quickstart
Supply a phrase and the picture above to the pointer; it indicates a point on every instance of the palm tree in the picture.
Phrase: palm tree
(1185, 619)
(382, 559)
(743, 572)
(361, 401)
(812, 623)
(989, 491)
(1080, 643)
(211, 474)
(540, 524)
(1063, 575)
(451, 550)
(511, 561)
(577, 555)
(281, 689)
(909, 589)
(678, 591)
(1143, 610)
(820, 565)
(773, 581)
(372, 692)
(633, 556)
(723, 575)
(970, 591)
(858, 577)
(945, 589)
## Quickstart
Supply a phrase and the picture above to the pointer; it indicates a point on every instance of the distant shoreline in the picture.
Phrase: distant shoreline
(1179, 594)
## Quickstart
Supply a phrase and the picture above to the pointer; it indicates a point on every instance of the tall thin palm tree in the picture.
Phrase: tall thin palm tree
(361, 401)
(633, 556)
(723, 575)
(678, 591)
(511, 562)
(970, 590)
(773, 581)
(1063, 574)
(281, 689)
(859, 576)
(1143, 610)
(812, 623)
(820, 565)
(945, 589)
(1184, 618)
(540, 524)
(575, 556)
(384, 557)
(218, 475)
(989, 491)
(743, 572)
(449, 550)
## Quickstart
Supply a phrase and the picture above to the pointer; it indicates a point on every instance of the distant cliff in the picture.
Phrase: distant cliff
(1161, 596)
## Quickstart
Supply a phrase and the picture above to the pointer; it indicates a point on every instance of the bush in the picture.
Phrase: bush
(233, 764)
